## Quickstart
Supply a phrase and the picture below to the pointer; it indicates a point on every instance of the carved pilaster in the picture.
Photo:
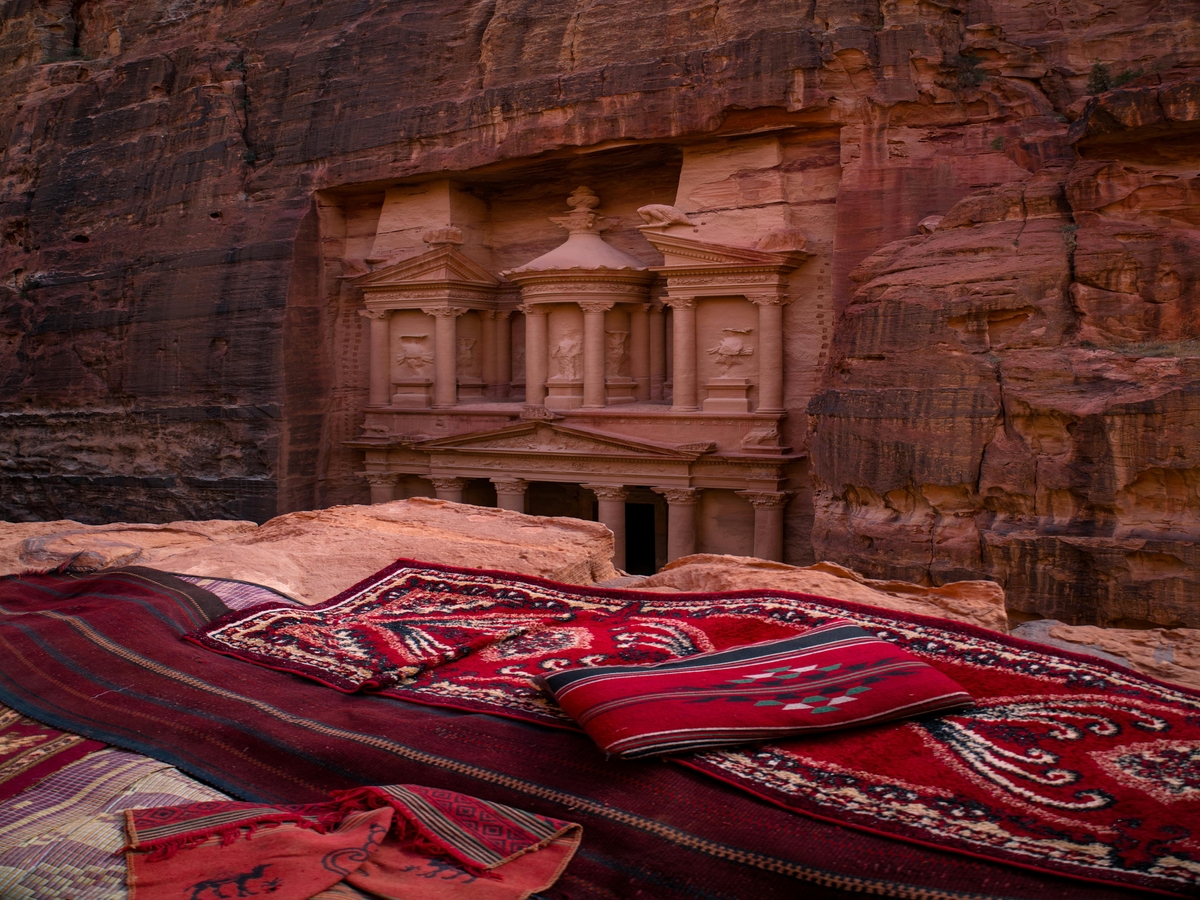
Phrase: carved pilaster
(445, 353)
(610, 511)
(681, 521)
(449, 488)
(383, 485)
(510, 493)
(770, 357)
(683, 375)
(768, 522)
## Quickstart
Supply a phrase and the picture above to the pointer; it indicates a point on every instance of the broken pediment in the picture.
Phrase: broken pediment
(443, 267)
(544, 437)
(687, 253)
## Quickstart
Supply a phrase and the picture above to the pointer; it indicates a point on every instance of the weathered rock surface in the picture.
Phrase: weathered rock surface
(1011, 395)
(975, 602)
(314, 555)
(1017, 393)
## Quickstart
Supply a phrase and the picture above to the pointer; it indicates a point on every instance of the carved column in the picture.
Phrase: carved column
(770, 352)
(768, 522)
(536, 361)
(610, 510)
(487, 353)
(445, 353)
(503, 352)
(639, 349)
(449, 488)
(593, 352)
(683, 376)
(658, 351)
(510, 493)
(681, 521)
(383, 486)
(381, 369)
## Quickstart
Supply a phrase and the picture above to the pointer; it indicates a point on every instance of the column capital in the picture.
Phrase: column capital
(486, 313)
(502, 314)
(766, 499)
(447, 484)
(374, 313)
(686, 496)
(596, 306)
(440, 312)
(607, 491)
(381, 479)
(510, 485)
(680, 302)
(534, 309)
(768, 299)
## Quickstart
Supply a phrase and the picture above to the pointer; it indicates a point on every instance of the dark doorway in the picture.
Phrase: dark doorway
(639, 539)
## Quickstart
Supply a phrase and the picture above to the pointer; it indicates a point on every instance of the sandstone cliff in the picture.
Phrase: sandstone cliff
(1010, 396)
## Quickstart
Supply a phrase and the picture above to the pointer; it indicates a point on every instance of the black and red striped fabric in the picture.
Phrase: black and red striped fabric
(834, 676)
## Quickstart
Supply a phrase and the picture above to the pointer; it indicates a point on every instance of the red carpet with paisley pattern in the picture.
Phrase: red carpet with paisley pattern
(101, 656)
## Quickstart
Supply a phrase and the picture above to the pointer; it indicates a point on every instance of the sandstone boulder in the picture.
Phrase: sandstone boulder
(314, 555)
(976, 602)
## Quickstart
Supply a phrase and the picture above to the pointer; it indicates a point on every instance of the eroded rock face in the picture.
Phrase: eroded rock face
(1017, 394)
(975, 602)
(1008, 392)
(314, 555)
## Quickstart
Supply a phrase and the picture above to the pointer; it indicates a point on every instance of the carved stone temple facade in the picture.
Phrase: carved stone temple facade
(641, 378)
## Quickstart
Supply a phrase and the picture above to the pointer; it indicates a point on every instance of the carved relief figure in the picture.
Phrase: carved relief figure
(568, 354)
(414, 356)
(731, 350)
(466, 356)
(617, 353)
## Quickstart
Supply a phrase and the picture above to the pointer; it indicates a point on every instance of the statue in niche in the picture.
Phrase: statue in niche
(414, 355)
(466, 356)
(731, 350)
(617, 353)
(568, 353)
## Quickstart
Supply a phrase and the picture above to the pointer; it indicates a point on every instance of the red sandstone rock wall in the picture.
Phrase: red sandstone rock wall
(1012, 396)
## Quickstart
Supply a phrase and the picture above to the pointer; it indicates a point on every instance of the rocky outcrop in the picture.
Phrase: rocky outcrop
(1017, 393)
(314, 555)
(975, 602)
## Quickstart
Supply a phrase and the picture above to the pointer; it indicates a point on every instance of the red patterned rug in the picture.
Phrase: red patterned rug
(1065, 764)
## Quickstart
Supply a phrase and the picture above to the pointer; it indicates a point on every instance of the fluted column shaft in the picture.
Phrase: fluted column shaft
(683, 376)
(487, 355)
(445, 353)
(770, 352)
(639, 350)
(768, 522)
(536, 362)
(681, 521)
(658, 352)
(610, 511)
(504, 371)
(510, 493)
(381, 370)
(593, 354)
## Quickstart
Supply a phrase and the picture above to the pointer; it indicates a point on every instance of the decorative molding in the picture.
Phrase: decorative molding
(679, 496)
(510, 485)
(575, 284)
(596, 306)
(444, 312)
(538, 413)
(447, 484)
(607, 491)
(768, 299)
(766, 499)
(382, 479)
(680, 302)
(374, 313)
(530, 309)
(697, 447)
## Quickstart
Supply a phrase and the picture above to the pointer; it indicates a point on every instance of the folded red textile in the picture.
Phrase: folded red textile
(833, 676)
(391, 841)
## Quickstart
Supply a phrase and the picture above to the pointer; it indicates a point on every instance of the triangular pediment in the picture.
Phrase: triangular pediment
(553, 438)
(444, 265)
(680, 252)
